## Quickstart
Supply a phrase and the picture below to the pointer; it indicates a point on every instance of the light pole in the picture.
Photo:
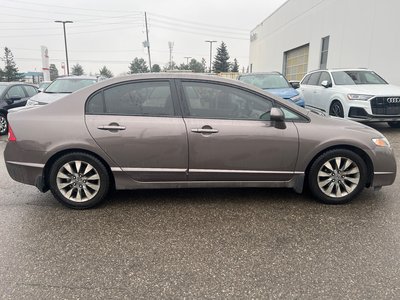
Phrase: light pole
(187, 59)
(211, 42)
(65, 42)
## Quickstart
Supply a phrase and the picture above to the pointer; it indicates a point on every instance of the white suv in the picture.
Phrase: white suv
(357, 94)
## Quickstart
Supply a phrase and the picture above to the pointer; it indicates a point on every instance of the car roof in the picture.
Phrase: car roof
(339, 69)
(76, 77)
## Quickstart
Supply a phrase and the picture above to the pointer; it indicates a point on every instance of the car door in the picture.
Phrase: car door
(309, 89)
(15, 97)
(323, 94)
(227, 139)
(136, 124)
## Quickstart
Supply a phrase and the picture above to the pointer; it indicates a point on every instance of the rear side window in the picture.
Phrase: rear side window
(140, 98)
(30, 90)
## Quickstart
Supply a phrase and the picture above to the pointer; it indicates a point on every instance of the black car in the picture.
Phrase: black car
(13, 94)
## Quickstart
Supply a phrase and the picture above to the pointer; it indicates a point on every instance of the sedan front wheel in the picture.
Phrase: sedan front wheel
(337, 176)
(79, 180)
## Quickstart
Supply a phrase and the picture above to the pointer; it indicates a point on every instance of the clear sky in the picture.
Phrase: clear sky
(111, 32)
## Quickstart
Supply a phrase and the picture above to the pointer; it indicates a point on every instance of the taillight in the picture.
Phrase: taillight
(11, 136)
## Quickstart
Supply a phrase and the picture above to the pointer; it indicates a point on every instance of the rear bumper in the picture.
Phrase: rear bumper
(31, 174)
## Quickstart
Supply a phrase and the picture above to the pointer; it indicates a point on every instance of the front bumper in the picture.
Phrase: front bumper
(360, 114)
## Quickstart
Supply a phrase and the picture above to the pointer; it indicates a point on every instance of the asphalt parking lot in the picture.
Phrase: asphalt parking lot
(222, 243)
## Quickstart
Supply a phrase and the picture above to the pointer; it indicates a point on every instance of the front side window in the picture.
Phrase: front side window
(15, 91)
(314, 78)
(207, 100)
(324, 77)
(356, 78)
(140, 98)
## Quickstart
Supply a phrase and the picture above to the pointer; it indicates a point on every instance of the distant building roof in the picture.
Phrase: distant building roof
(33, 74)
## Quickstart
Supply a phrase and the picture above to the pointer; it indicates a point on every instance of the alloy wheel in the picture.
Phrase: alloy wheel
(78, 181)
(338, 177)
(3, 124)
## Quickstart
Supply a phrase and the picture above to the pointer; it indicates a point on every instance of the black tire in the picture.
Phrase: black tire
(79, 182)
(394, 124)
(344, 186)
(3, 124)
(336, 109)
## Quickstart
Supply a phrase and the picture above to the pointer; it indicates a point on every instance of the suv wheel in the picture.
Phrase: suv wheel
(337, 176)
(336, 109)
(79, 180)
(394, 124)
(3, 124)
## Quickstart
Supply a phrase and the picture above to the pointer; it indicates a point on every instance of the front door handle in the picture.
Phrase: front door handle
(111, 127)
(205, 130)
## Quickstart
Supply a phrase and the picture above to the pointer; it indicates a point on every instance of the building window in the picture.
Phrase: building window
(324, 52)
(295, 63)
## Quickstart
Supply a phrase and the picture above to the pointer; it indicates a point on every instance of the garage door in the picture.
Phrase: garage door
(296, 62)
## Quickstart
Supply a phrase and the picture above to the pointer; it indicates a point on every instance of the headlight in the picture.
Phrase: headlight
(32, 102)
(359, 97)
(295, 98)
(381, 142)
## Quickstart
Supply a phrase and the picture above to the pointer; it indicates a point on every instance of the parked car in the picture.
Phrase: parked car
(185, 131)
(61, 87)
(13, 94)
(356, 94)
(43, 85)
(275, 83)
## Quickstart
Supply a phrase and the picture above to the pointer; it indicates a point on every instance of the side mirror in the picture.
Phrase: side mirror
(39, 91)
(278, 117)
(326, 84)
(15, 98)
(295, 84)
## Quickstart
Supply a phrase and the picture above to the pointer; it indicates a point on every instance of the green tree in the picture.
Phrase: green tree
(221, 60)
(169, 66)
(77, 70)
(184, 67)
(10, 72)
(235, 66)
(196, 66)
(138, 65)
(105, 72)
(155, 68)
(1, 74)
(204, 64)
(53, 72)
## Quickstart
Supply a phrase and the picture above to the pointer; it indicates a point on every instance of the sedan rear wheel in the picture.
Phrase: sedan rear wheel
(3, 124)
(79, 180)
(337, 176)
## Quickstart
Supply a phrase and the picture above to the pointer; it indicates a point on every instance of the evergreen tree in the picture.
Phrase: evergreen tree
(1, 75)
(53, 72)
(235, 66)
(138, 65)
(155, 68)
(105, 72)
(221, 60)
(77, 70)
(10, 72)
(204, 64)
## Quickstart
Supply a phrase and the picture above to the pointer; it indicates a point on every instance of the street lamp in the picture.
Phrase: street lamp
(65, 42)
(211, 42)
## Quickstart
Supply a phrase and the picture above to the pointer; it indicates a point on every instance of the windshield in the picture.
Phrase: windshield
(356, 78)
(68, 85)
(44, 85)
(2, 88)
(266, 81)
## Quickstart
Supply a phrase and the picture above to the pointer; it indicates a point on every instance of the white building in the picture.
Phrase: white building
(305, 35)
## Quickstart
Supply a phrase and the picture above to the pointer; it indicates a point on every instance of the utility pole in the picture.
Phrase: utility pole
(147, 37)
(65, 42)
(187, 59)
(211, 42)
(171, 46)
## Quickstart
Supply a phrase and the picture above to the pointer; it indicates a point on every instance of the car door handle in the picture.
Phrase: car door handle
(205, 130)
(111, 127)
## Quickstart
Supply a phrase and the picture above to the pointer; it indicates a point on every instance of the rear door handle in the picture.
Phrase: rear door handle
(205, 130)
(111, 127)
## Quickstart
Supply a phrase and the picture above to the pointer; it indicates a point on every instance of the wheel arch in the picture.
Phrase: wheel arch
(365, 157)
(55, 156)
